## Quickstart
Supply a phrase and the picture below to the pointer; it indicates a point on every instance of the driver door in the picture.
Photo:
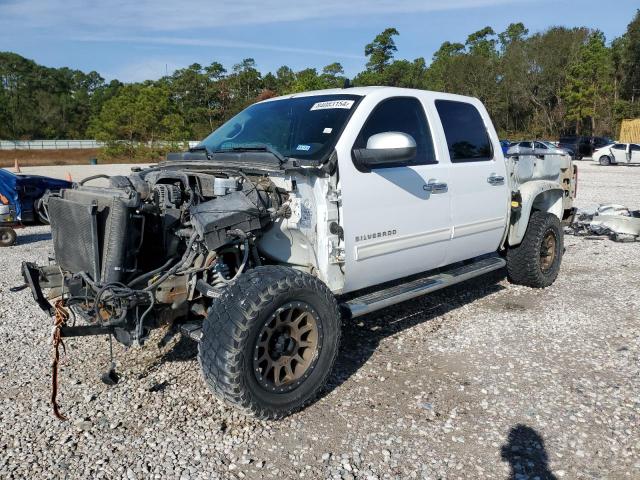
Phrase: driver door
(395, 222)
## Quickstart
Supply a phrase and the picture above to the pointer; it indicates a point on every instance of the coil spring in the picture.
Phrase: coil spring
(220, 273)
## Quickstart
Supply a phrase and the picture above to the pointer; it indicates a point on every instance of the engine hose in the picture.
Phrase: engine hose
(175, 268)
(93, 177)
(242, 264)
(151, 273)
(140, 325)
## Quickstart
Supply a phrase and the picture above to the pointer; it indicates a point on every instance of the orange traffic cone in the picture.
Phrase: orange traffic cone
(69, 177)
(16, 166)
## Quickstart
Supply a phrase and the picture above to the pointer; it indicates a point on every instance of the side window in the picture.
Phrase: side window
(400, 114)
(539, 145)
(466, 134)
(635, 148)
(619, 146)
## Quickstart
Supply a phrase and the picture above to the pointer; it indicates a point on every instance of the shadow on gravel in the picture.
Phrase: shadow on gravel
(526, 454)
(33, 237)
(184, 350)
(361, 336)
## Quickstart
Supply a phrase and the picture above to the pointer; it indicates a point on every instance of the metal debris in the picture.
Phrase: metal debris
(618, 222)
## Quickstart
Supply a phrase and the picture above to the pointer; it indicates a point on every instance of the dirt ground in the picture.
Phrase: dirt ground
(34, 158)
(482, 380)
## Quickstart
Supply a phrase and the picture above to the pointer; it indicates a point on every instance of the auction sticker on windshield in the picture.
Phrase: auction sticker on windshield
(347, 104)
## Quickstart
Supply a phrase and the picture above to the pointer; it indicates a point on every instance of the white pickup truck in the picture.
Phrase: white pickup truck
(298, 212)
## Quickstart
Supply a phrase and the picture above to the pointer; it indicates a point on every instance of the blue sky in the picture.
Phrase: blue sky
(138, 39)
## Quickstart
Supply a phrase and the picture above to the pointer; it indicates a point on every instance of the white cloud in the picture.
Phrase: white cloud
(199, 15)
(198, 23)
(213, 42)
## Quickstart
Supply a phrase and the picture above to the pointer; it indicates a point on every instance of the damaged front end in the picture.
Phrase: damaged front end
(153, 248)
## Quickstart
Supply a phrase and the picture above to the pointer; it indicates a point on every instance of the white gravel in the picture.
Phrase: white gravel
(482, 380)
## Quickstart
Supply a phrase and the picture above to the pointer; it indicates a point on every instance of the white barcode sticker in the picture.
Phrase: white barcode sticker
(346, 104)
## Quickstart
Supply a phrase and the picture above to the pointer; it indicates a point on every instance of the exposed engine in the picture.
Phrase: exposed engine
(157, 245)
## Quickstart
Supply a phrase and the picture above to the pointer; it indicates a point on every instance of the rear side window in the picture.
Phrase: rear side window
(400, 114)
(635, 148)
(466, 134)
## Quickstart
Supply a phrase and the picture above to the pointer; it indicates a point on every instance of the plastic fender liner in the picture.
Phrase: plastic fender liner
(546, 195)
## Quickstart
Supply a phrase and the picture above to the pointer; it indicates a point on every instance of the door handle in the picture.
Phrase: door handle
(496, 180)
(434, 186)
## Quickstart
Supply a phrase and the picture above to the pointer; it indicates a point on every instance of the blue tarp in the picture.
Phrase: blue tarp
(9, 190)
(23, 191)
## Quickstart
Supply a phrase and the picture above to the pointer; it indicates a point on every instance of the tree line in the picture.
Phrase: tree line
(544, 84)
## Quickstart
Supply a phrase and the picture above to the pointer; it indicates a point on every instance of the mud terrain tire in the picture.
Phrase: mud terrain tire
(243, 320)
(536, 261)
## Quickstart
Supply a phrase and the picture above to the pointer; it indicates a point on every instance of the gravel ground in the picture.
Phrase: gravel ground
(481, 380)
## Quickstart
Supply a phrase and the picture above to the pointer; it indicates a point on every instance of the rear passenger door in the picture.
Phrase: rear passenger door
(634, 151)
(478, 180)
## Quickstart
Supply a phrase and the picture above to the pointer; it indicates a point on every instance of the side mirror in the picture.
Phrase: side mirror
(386, 149)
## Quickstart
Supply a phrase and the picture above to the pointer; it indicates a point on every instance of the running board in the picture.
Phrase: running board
(406, 291)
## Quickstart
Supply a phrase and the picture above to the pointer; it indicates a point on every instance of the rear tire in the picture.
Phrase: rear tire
(255, 356)
(536, 261)
(604, 160)
(8, 236)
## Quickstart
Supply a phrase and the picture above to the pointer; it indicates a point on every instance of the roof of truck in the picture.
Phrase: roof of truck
(364, 91)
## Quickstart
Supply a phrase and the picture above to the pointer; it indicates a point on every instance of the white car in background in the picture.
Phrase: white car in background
(617, 153)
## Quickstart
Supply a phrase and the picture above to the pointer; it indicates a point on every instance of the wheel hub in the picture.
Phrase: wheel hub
(287, 347)
(548, 251)
(284, 344)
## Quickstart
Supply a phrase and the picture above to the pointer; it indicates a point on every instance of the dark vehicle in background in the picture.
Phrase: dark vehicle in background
(25, 192)
(505, 144)
(20, 201)
(582, 146)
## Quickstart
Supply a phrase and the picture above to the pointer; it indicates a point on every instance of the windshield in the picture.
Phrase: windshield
(302, 127)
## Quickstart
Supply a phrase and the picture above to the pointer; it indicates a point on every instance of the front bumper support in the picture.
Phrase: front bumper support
(32, 275)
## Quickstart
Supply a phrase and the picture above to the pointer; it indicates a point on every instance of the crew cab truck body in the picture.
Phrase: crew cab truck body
(298, 212)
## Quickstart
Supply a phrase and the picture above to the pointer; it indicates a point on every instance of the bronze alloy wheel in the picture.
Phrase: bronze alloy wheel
(287, 347)
(548, 251)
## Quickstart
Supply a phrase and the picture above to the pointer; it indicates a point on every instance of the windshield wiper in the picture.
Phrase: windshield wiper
(255, 148)
(199, 148)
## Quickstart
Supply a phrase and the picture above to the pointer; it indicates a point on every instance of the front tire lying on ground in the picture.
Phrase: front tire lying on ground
(270, 341)
(536, 261)
(8, 236)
